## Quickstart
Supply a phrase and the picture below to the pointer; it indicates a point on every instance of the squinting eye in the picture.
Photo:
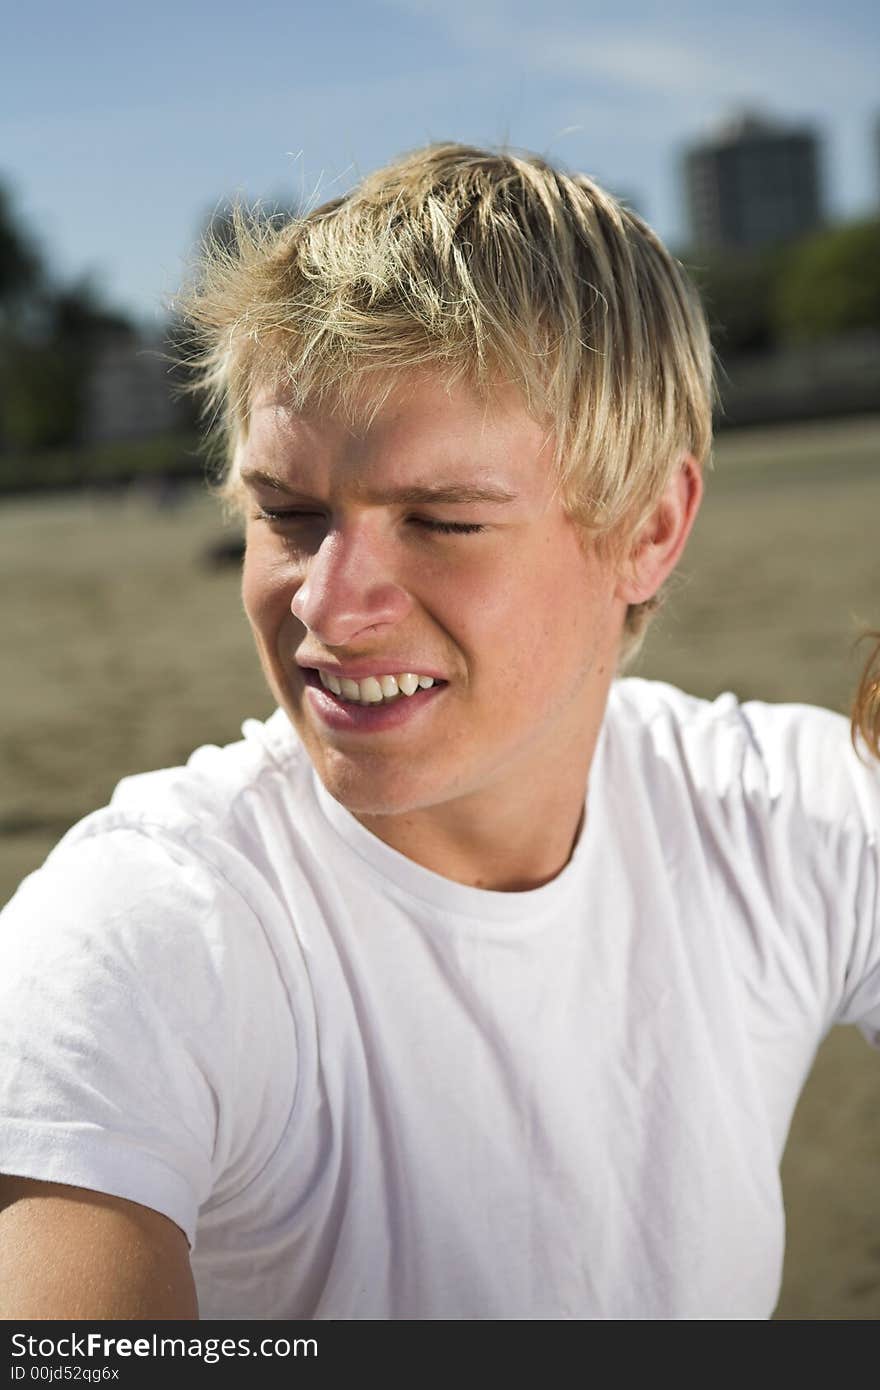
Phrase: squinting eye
(282, 514)
(292, 516)
(449, 528)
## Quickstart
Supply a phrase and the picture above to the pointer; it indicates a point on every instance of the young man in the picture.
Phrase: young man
(475, 983)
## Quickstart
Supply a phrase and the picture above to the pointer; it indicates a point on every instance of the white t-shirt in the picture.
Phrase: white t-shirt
(365, 1091)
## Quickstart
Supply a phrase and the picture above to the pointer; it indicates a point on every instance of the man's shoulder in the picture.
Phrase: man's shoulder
(176, 839)
(176, 867)
(655, 705)
(213, 791)
(761, 751)
(149, 983)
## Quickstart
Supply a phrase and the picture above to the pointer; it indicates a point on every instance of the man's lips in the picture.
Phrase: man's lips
(368, 712)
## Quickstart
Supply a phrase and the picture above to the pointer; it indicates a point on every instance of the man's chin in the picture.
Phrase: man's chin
(372, 790)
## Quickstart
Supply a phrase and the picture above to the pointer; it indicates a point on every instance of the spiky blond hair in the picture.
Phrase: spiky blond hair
(490, 268)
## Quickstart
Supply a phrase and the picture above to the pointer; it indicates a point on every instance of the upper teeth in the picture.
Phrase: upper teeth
(373, 689)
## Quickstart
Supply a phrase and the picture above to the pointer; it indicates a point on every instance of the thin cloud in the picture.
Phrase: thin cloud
(747, 57)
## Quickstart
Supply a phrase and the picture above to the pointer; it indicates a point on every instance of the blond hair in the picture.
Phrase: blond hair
(491, 268)
(866, 705)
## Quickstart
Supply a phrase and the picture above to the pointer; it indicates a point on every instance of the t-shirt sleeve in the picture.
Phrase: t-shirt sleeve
(141, 1023)
(823, 800)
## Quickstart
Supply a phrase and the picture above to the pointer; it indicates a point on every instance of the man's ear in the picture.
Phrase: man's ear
(656, 547)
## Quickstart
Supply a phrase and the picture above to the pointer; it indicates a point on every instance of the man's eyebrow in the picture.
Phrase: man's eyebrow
(414, 495)
(443, 494)
(260, 477)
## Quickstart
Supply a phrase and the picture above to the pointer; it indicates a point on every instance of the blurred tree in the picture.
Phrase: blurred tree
(50, 336)
(45, 373)
(39, 398)
(738, 292)
(21, 270)
(77, 319)
(830, 284)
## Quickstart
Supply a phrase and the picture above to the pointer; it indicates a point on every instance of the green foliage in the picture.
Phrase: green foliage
(77, 318)
(40, 395)
(50, 336)
(830, 284)
(737, 290)
(21, 271)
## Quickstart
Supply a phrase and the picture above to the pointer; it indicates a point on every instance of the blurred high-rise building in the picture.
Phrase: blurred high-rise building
(752, 183)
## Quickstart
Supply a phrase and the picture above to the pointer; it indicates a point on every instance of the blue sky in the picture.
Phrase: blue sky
(122, 126)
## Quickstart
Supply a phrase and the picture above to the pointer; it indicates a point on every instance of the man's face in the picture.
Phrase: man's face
(428, 544)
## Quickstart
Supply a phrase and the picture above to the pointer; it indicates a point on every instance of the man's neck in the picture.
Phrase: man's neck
(492, 839)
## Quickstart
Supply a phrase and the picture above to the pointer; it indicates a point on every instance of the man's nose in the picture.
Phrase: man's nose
(349, 589)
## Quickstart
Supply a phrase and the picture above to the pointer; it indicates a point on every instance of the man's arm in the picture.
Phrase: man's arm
(70, 1253)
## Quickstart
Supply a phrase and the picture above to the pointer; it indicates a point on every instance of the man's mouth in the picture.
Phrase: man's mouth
(373, 690)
